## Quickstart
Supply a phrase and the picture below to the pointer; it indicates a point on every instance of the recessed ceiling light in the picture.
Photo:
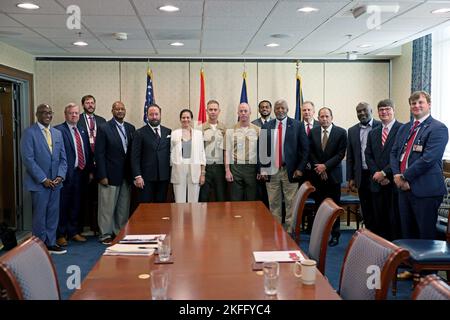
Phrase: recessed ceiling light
(272, 45)
(442, 10)
(307, 9)
(280, 35)
(80, 43)
(28, 6)
(177, 44)
(366, 45)
(168, 8)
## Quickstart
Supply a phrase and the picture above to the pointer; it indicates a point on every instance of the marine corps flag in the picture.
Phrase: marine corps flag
(149, 95)
(202, 107)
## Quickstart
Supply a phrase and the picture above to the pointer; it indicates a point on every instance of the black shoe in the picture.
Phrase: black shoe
(334, 241)
(56, 250)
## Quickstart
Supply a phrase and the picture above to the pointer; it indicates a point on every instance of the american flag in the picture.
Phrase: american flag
(149, 95)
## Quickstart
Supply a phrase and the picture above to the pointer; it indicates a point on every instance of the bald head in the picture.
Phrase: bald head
(244, 112)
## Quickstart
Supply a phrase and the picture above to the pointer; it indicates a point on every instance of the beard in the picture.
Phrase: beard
(154, 123)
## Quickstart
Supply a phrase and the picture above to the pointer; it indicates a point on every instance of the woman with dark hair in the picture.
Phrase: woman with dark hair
(187, 158)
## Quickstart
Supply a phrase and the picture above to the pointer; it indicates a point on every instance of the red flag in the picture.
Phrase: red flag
(202, 108)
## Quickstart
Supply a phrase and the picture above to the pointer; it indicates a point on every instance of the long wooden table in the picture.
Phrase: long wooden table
(212, 249)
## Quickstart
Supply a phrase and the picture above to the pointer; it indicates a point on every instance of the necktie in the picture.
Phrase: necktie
(80, 154)
(384, 135)
(308, 129)
(92, 132)
(157, 134)
(124, 136)
(279, 152)
(48, 137)
(324, 139)
(411, 136)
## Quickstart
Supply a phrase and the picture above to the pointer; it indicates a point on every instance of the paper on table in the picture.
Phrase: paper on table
(280, 256)
(142, 238)
(131, 249)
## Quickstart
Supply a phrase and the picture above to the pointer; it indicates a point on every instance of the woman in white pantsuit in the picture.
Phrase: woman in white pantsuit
(187, 158)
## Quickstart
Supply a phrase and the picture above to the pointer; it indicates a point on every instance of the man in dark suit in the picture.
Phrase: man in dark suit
(416, 162)
(287, 154)
(78, 153)
(327, 149)
(358, 175)
(384, 191)
(112, 154)
(44, 158)
(265, 109)
(308, 123)
(150, 158)
(308, 120)
(89, 122)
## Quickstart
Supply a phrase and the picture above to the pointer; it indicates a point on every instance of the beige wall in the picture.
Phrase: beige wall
(339, 85)
(15, 58)
(401, 82)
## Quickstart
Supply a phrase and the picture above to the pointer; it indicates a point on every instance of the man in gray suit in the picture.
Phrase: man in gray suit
(265, 109)
(358, 173)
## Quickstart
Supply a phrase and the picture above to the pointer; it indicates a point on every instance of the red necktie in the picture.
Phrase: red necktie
(308, 129)
(80, 154)
(412, 135)
(384, 135)
(92, 132)
(278, 161)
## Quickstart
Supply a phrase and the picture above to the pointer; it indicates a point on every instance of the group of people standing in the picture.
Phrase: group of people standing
(396, 169)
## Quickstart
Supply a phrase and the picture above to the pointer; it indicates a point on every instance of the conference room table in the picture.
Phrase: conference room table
(212, 254)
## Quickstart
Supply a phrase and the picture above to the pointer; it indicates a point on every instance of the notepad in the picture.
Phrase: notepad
(142, 238)
(280, 256)
(131, 249)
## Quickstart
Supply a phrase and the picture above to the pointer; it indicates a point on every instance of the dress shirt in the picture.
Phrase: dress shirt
(123, 135)
(363, 133)
(72, 133)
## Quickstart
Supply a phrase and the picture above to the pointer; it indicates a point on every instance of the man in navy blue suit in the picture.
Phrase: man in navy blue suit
(150, 158)
(113, 157)
(327, 149)
(378, 155)
(416, 161)
(44, 158)
(78, 153)
(358, 174)
(287, 154)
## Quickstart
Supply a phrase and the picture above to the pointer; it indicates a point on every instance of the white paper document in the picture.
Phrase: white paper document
(280, 256)
(142, 238)
(131, 249)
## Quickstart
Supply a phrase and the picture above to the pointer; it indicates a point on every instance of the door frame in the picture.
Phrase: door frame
(26, 81)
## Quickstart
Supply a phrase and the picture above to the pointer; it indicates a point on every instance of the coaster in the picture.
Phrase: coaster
(144, 276)
(157, 261)
(257, 266)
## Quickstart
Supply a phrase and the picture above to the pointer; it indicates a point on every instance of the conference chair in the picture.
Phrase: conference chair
(431, 288)
(426, 255)
(370, 264)
(323, 223)
(299, 206)
(349, 200)
(27, 273)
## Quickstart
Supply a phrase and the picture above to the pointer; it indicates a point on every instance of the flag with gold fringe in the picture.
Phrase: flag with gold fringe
(298, 96)
(149, 94)
(244, 88)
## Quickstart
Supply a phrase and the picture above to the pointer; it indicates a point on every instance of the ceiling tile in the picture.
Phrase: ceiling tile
(115, 23)
(167, 23)
(102, 7)
(42, 20)
(46, 7)
(190, 8)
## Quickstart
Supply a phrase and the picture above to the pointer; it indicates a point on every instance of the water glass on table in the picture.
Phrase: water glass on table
(164, 249)
(159, 282)
(271, 273)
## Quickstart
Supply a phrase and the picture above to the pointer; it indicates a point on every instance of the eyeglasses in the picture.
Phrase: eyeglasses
(385, 109)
